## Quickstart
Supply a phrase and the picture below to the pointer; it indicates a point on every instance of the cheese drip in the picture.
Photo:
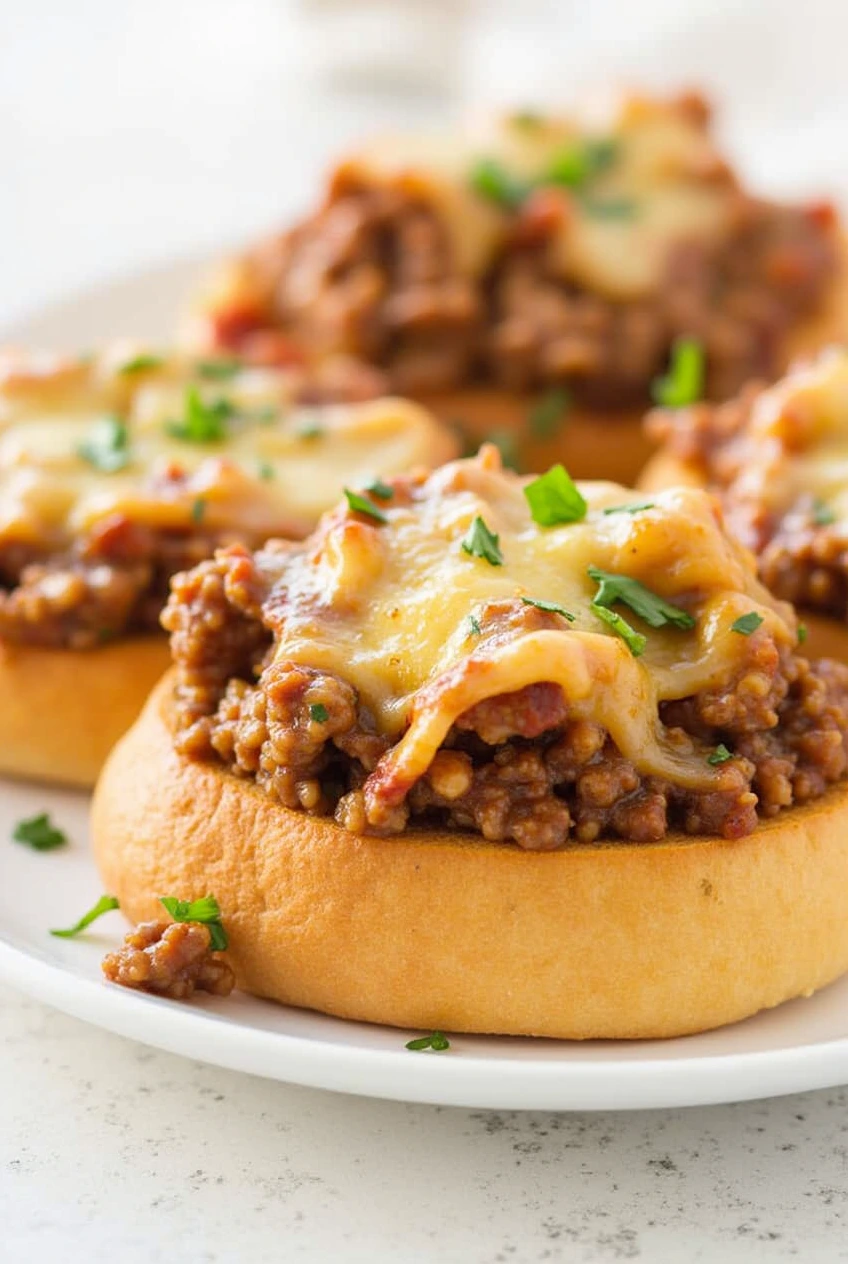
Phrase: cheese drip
(277, 467)
(390, 607)
(665, 184)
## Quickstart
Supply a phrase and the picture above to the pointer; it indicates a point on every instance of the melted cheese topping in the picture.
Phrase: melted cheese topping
(278, 468)
(666, 178)
(795, 444)
(387, 607)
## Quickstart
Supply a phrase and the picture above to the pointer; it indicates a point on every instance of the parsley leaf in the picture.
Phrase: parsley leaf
(823, 515)
(684, 382)
(720, 755)
(634, 640)
(507, 444)
(631, 509)
(380, 489)
(491, 180)
(610, 208)
(205, 910)
(198, 509)
(747, 623)
(803, 633)
(528, 119)
(474, 625)
(107, 446)
(310, 430)
(553, 498)
(550, 606)
(318, 712)
(141, 363)
(361, 504)
(549, 412)
(265, 470)
(201, 422)
(218, 370)
(656, 611)
(39, 834)
(437, 1041)
(481, 542)
(104, 905)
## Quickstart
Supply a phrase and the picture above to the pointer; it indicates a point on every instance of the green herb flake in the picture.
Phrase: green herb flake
(803, 633)
(549, 412)
(610, 208)
(823, 515)
(550, 606)
(437, 1041)
(198, 510)
(361, 504)
(631, 509)
(720, 755)
(575, 165)
(310, 430)
(201, 422)
(527, 120)
(380, 489)
(491, 180)
(747, 623)
(266, 471)
(39, 834)
(684, 382)
(480, 542)
(218, 370)
(141, 364)
(206, 910)
(104, 905)
(554, 498)
(474, 625)
(634, 640)
(507, 444)
(107, 446)
(656, 611)
(318, 712)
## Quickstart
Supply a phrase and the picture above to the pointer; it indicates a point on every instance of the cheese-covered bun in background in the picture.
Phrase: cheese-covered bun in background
(119, 469)
(530, 276)
(499, 755)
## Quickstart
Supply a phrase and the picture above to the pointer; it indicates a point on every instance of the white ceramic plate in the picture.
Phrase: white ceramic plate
(799, 1046)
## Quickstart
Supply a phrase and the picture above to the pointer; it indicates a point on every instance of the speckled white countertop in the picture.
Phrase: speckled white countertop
(134, 131)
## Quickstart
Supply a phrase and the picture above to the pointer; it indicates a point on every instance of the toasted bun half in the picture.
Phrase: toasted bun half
(438, 930)
(63, 710)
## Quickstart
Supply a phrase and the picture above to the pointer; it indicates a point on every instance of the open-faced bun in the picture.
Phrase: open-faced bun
(438, 929)
(63, 710)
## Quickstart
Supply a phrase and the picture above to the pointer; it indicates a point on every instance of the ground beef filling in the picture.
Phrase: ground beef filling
(801, 557)
(169, 959)
(371, 277)
(513, 768)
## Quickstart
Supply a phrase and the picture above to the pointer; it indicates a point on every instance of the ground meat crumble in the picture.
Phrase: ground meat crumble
(173, 959)
(517, 767)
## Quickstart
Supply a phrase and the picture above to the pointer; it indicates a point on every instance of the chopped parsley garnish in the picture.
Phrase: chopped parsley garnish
(201, 422)
(747, 623)
(720, 755)
(104, 905)
(526, 119)
(576, 164)
(198, 509)
(507, 444)
(610, 208)
(107, 446)
(823, 515)
(318, 712)
(481, 542)
(683, 384)
(631, 509)
(141, 363)
(361, 504)
(218, 370)
(380, 489)
(553, 498)
(634, 640)
(656, 611)
(310, 430)
(550, 606)
(549, 412)
(437, 1041)
(266, 470)
(803, 633)
(38, 833)
(491, 180)
(474, 625)
(205, 910)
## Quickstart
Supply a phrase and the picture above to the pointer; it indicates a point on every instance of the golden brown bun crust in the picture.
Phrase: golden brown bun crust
(63, 710)
(438, 930)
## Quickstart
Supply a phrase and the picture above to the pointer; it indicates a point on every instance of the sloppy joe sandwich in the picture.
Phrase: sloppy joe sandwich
(494, 754)
(533, 276)
(777, 456)
(116, 471)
